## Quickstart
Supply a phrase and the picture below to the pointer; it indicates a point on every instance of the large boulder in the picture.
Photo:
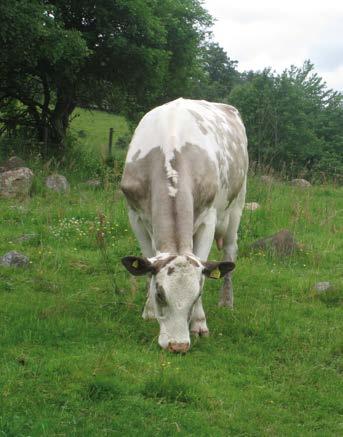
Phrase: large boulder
(302, 183)
(282, 243)
(57, 182)
(14, 259)
(16, 183)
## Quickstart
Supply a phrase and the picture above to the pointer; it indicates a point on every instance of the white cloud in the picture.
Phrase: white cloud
(276, 34)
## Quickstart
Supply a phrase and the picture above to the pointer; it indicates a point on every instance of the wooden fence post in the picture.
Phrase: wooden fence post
(110, 139)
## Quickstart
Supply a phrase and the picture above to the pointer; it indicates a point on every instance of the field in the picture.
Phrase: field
(92, 129)
(77, 359)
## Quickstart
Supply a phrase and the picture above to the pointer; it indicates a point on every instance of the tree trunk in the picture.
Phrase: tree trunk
(59, 121)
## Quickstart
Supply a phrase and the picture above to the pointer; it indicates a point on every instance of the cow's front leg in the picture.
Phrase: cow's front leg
(202, 243)
(198, 320)
(149, 308)
(226, 295)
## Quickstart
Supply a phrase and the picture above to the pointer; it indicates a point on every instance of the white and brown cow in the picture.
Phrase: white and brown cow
(185, 182)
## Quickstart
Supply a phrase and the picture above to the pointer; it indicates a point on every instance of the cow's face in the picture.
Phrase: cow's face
(175, 288)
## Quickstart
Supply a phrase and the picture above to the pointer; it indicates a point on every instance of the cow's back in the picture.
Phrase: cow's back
(208, 139)
(185, 156)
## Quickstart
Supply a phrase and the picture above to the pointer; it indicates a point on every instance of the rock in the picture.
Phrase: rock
(16, 183)
(93, 183)
(283, 243)
(12, 163)
(322, 286)
(252, 206)
(267, 179)
(14, 259)
(19, 208)
(25, 237)
(57, 182)
(303, 183)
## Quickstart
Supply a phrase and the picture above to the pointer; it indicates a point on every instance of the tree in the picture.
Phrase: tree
(293, 120)
(218, 73)
(60, 53)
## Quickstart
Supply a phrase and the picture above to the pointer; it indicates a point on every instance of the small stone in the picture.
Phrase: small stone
(57, 182)
(283, 243)
(16, 183)
(25, 237)
(322, 286)
(252, 206)
(267, 179)
(93, 183)
(13, 162)
(303, 183)
(14, 259)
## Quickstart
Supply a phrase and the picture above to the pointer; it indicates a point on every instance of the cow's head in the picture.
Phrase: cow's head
(175, 287)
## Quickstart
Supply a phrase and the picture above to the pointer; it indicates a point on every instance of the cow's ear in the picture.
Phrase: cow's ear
(137, 266)
(216, 270)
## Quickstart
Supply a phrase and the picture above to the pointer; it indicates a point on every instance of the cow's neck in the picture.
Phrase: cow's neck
(172, 218)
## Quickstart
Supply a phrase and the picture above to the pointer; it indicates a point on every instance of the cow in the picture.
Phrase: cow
(185, 181)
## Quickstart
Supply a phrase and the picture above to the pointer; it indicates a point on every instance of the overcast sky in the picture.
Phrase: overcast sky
(267, 33)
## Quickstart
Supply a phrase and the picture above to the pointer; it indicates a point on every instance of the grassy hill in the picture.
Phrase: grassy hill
(91, 128)
(77, 359)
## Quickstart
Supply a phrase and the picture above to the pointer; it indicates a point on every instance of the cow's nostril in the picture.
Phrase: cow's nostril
(178, 347)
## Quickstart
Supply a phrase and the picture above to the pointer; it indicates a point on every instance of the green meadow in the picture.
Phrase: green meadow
(77, 359)
(91, 127)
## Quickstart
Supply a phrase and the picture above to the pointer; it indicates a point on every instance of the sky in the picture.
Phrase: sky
(277, 34)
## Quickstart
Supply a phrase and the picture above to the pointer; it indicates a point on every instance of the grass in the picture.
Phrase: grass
(92, 127)
(77, 359)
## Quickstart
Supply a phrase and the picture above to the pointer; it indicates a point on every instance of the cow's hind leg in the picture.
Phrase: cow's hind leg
(230, 248)
(202, 243)
(146, 246)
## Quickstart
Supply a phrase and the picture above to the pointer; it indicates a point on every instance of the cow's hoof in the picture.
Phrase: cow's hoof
(199, 328)
(226, 304)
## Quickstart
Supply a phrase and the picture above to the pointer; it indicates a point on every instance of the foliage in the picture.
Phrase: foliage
(216, 75)
(292, 120)
(126, 55)
(40, 62)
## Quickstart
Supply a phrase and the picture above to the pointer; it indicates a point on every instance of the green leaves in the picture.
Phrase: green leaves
(126, 55)
(292, 120)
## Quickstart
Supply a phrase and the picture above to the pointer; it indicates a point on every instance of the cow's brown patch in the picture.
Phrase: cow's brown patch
(160, 264)
(199, 119)
(170, 271)
(135, 156)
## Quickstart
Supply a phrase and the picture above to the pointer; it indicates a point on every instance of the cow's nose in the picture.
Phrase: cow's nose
(178, 347)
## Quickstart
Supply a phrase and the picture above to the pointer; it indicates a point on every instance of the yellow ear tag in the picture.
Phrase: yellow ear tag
(135, 264)
(215, 274)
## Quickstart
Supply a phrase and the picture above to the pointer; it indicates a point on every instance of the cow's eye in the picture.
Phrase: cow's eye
(160, 298)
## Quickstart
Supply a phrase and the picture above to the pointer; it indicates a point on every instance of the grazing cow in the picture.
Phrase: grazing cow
(185, 182)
